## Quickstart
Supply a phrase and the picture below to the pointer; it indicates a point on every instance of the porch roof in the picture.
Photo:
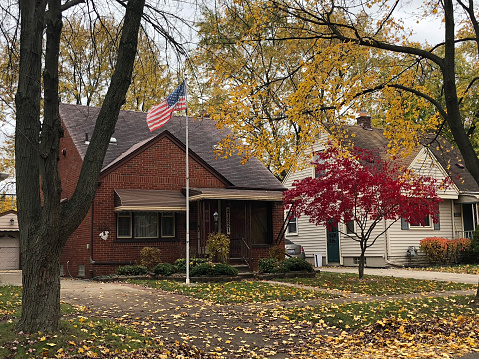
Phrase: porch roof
(197, 194)
(149, 200)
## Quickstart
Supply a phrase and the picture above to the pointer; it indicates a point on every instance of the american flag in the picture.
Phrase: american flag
(161, 113)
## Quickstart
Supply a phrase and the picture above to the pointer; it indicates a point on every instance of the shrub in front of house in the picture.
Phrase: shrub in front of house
(295, 265)
(224, 269)
(180, 264)
(150, 257)
(435, 249)
(271, 265)
(268, 265)
(457, 249)
(472, 255)
(210, 269)
(218, 247)
(444, 251)
(132, 270)
(164, 269)
(277, 253)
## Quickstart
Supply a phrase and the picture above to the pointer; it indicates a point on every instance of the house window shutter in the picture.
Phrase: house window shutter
(404, 224)
(437, 223)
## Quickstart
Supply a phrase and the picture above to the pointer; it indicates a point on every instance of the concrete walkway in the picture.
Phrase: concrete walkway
(409, 273)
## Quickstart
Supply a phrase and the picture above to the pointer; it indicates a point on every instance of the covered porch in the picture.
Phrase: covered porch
(250, 218)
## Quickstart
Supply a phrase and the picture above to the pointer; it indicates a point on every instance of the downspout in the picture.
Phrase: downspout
(93, 261)
(452, 220)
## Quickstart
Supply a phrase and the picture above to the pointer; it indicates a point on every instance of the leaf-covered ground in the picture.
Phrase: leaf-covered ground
(375, 285)
(114, 320)
(237, 292)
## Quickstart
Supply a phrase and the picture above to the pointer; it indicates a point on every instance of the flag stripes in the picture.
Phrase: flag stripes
(161, 113)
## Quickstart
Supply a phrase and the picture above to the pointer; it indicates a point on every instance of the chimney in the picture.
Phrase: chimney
(364, 120)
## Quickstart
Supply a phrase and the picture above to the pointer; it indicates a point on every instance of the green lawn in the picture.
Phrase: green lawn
(236, 292)
(375, 285)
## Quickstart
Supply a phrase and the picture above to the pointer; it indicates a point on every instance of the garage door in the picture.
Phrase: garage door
(9, 252)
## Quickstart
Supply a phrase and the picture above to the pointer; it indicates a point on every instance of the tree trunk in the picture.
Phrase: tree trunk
(41, 285)
(45, 226)
(361, 260)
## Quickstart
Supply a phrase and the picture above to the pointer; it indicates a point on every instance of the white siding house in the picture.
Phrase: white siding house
(399, 244)
(9, 241)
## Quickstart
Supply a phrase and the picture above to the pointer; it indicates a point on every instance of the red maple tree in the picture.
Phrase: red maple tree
(362, 187)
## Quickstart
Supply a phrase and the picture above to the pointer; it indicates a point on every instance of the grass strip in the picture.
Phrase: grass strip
(236, 292)
(375, 285)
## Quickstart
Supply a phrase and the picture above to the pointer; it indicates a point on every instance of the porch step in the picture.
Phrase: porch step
(240, 265)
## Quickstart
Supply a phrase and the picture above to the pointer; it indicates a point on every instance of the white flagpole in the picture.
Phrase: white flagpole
(187, 193)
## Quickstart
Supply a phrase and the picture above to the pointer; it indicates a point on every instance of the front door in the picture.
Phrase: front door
(332, 236)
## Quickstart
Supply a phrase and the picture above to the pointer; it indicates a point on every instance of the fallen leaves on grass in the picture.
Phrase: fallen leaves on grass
(375, 285)
(238, 292)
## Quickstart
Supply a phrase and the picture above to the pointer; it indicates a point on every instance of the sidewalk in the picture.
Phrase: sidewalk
(408, 273)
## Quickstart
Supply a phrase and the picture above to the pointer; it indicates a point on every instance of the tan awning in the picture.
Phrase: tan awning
(149, 200)
(467, 198)
(197, 194)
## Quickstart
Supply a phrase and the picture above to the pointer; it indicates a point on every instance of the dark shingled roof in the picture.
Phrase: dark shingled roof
(131, 129)
(449, 157)
(452, 161)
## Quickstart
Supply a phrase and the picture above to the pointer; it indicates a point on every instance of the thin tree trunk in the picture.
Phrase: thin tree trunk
(361, 260)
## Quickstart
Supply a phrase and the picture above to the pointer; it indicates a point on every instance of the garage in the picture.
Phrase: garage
(9, 241)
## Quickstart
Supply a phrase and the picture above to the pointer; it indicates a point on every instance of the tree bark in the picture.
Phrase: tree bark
(45, 227)
(361, 259)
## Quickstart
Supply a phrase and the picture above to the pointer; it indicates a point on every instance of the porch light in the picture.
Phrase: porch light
(215, 218)
(12, 221)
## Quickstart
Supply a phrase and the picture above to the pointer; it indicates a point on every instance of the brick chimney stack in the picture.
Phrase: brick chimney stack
(364, 120)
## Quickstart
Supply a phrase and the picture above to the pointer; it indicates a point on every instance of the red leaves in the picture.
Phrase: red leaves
(363, 187)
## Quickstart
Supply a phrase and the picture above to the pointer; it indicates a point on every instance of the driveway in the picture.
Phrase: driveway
(230, 330)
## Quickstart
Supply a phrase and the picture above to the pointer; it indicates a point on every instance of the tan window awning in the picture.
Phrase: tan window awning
(197, 194)
(149, 200)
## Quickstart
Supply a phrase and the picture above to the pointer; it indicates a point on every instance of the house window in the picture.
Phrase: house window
(350, 227)
(167, 224)
(293, 226)
(427, 223)
(317, 173)
(145, 225)
(356, 260)
(124, 225)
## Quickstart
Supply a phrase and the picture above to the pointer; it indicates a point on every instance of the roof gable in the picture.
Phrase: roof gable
(446, 155)
(132, 133)
(143, 145)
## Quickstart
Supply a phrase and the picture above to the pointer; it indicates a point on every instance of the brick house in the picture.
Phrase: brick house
(141, 200)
